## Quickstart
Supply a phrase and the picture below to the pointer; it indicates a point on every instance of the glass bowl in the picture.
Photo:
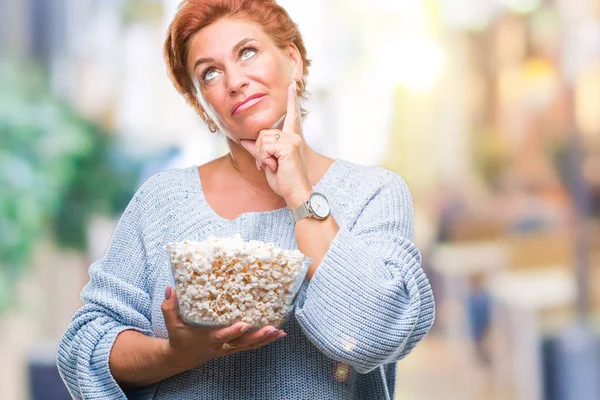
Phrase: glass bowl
(221, 281)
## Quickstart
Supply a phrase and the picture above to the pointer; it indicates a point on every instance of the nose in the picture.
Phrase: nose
(236, 80)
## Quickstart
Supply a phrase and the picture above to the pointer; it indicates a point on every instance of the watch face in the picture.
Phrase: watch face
(319, 205)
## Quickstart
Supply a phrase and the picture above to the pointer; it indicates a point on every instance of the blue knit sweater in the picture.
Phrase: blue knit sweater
(366, 307)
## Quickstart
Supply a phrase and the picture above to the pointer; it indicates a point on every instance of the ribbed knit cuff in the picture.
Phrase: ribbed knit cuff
(357, 310)
(104, 385)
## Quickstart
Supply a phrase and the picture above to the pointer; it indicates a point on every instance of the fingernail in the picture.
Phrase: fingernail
(282, 335)
(245, 328)
(257, 165)
(271, 332)
(168, 292)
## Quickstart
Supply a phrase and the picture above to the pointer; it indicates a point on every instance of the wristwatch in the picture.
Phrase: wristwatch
(316, 207)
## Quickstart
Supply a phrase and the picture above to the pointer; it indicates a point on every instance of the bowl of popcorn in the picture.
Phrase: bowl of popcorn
(221, 281)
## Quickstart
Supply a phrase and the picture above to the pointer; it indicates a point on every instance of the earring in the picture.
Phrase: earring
(212, 126)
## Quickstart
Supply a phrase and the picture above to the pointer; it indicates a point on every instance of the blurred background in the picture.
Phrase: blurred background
(489, 109)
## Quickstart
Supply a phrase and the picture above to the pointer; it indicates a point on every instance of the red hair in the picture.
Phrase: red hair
(193, 15)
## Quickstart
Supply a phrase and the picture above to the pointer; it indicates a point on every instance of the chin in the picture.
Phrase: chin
(253, 124)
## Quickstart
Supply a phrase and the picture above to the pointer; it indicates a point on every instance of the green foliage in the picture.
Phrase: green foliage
(56, 171)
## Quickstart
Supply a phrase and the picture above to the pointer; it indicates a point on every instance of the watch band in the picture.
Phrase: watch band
(301, 212)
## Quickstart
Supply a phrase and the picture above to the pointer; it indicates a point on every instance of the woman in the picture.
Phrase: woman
(365, 302)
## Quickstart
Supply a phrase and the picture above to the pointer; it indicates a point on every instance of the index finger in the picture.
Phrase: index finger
(290, 123)
(234, 331)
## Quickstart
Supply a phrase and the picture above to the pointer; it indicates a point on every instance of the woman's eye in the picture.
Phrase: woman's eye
(209, 74)
(247, 53)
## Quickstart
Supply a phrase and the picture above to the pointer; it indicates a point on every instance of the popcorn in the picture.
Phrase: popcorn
(221, 281)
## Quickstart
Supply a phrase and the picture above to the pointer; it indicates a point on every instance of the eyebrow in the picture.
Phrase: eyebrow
(234, 50)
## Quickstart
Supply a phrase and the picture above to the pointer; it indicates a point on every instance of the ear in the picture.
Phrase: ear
(296, 62)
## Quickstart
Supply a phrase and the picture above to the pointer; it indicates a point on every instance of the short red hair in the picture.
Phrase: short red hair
(193, 15)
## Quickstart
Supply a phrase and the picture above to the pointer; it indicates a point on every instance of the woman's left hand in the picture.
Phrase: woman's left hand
(283, 158)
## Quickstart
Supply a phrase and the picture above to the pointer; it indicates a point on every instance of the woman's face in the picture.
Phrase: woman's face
(241, 76)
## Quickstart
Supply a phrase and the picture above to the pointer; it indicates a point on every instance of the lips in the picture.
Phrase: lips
(246, 103)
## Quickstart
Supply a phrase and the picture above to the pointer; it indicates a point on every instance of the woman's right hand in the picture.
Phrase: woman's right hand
(190, 346)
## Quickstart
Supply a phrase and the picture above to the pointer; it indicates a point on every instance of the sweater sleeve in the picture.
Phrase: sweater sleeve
(115, 299)
(369, 302)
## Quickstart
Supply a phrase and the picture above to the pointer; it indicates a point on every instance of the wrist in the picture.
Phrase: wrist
(178, 362)
(167, 354)
(172, 359)
(298, 197)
